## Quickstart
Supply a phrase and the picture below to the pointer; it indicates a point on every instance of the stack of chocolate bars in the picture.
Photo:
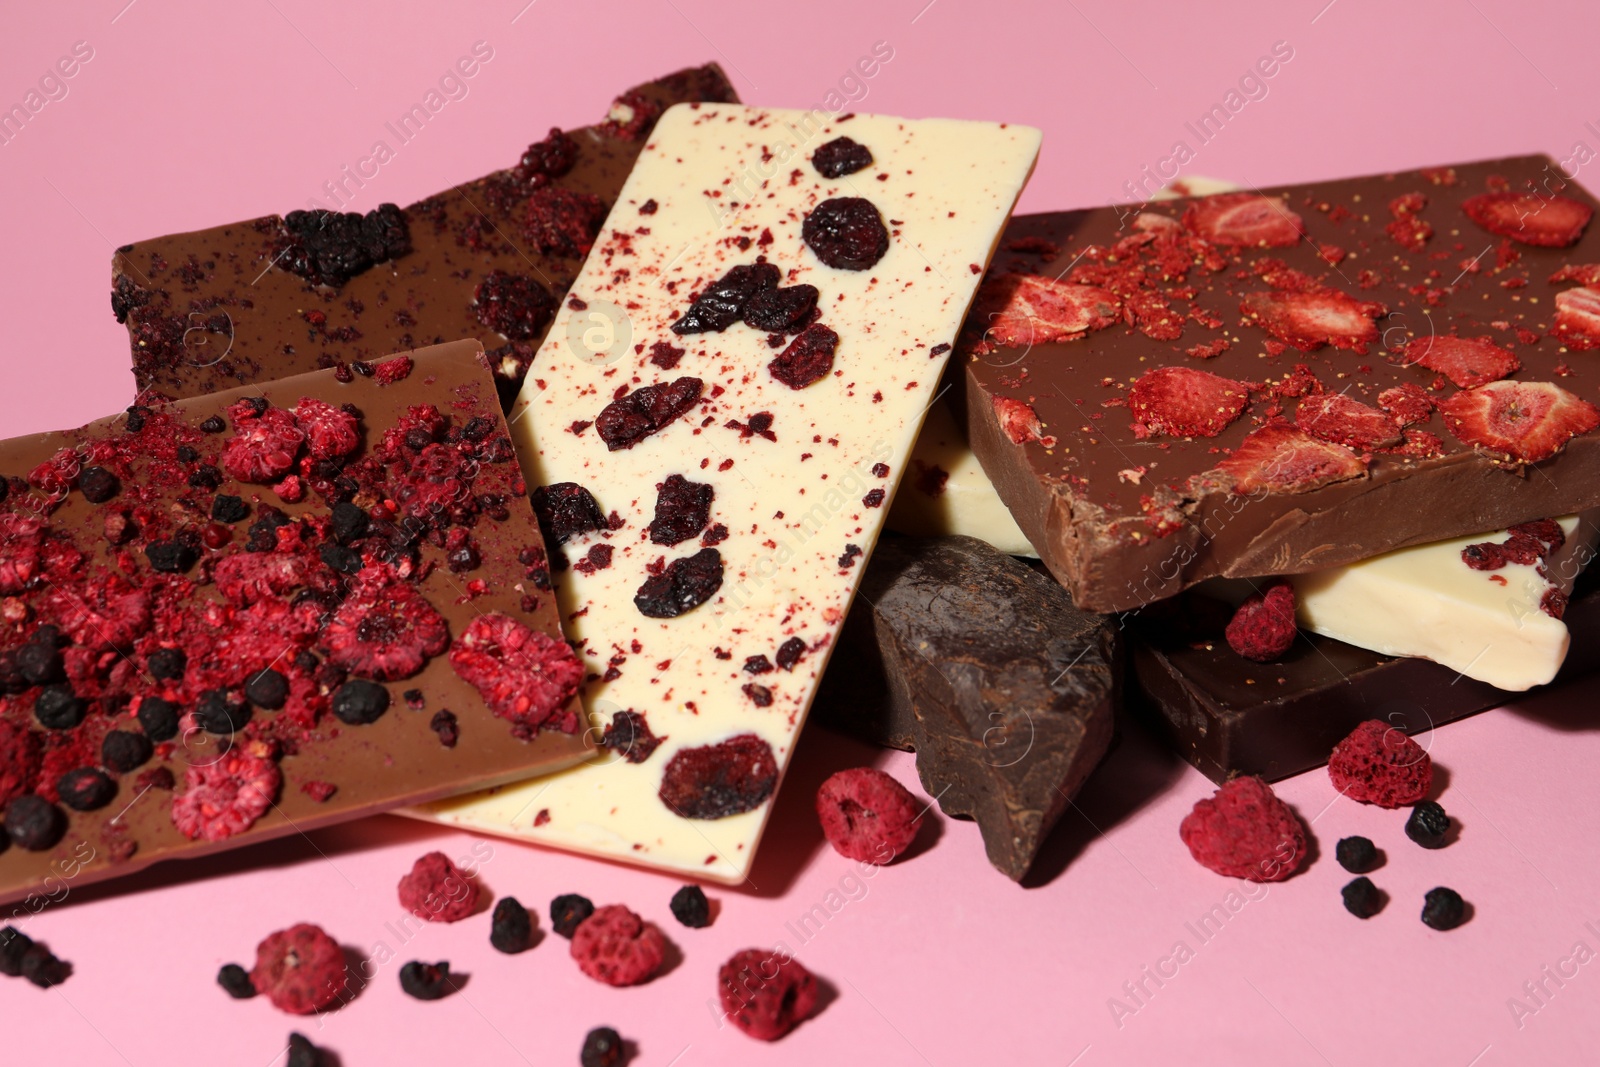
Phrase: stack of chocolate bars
(541, 506)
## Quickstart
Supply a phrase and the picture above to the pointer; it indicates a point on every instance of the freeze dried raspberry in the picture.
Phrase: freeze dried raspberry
(1263, 627)
(617, 947)
(683, 508)
(21, 539)
(226, 796)
(867, 815)
(331, 247)
(1185, 402)
(263, 448)
(1337, 418)
(1468, 362)
(550, 158)
(713, 781)
(1279, 458)
(247, 578)
(1309, 320)
(628, 420)
(1525, 421)
(385, 630)
(1408, 403)
(1378, 764)
(1546, 221)
(766, 993)
(846, 233)
(437, 890)
(522, 674)
(106, 612)
(567, 913)
(808, 358)
(841, 156)
(20, 757)
(330, 432)
(664, 355)
(629, 736)
(33, 823)
(1578, 318)
(513, 305)
(1244, 831)
(1031, 309)
(723, 302)
(301, 969)
(686, 583)
(561, 222)
(782, 310)
(1246, 220)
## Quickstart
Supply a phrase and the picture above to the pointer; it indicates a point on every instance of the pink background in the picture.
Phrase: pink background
(191, 113)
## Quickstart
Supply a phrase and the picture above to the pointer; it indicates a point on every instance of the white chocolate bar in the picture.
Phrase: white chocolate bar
(728, 184)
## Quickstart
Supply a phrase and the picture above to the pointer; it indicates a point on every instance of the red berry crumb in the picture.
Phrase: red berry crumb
(1378, 764)
(1244, 831)
(1263, 628)
(867, 815)
(766, 993)
(437, 890)
(300, 970)
(617, 947)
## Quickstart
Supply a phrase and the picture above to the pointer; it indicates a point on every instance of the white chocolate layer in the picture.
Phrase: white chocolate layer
(1424, 601)
(723, 176)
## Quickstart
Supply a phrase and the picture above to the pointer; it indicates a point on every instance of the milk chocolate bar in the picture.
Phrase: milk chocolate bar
(716, 425)
(982, 666)
(1287, 380)
(489, 258)
(266, 610)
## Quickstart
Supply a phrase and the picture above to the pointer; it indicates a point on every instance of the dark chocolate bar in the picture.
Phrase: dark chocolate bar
(267, 610)
(1278, 382)
(489, 258)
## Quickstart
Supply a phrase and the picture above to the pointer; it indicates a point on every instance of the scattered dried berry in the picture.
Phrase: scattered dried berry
(846, 232)
(331, 247)
(567, 912)
(86, 789)
(229, 509)
(713, 781)
(513, 305)
(221, 712)
(867, 816)
(98, 484)
(58, 708)
(426, 981)
(1361, 898)
(511, 930)
(617, 947)
(1244, 220)
(766, 993)
(331, 433)
(686, 583)
(359, 702)
(300, 970)
(263, 447)
(628, 420)
(1428, 825)
(550, 158)
(839, 157)
(563, 222)
(808, 358)
(629, 736)
(1337, 418)
(1356, 854)
(445, 726)
(523, 675)
(1278, 458)
(225, 796)
(1533, 219)
(267, 689)
(602, 1047)
(158, 718)
(567, 510)
(302, 1053)
(790, 652)
(1263, 627)
(723, 302)
(235, 981)
(33, 823)
(1467, 362)
(1032, 309)
(170, 557)
(1244, 831)
(1185, 402)
(683, 508)
(1525, 421)
(1378, 764)
(437, 890)
(782, 310)
(42, 968)
(348, 522)
(1443, 909)
(14, 944)
(1309, 320)
(691, 908)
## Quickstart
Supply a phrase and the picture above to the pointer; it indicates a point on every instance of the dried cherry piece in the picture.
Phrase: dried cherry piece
(86, 789)
(98, 484)
(359, 702)
(561, 222)
(721, 304)
(567, 510)
(629, 736)
(808, 358)
(766, 992)
(513, 305)
(617, 947)
(781, 310)
(789, 653)
(841, 156)
(684, 585)
(550, 158)
(33, 823)
(713, 781)
(846, 232)
(124, 750)
(683, 508)
(300, 970)
(159, 718)
(628, 420)
(331, 247)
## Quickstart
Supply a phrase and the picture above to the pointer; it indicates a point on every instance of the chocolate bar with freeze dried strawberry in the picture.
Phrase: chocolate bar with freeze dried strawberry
(1290, 379)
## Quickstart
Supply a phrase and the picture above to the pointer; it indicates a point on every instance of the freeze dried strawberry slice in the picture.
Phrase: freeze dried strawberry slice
(21, 538)
(1582, 273)
(1158, 224)
(522, 674)
(1578, 318)
(1185, 402)
(1335, 417)
(301, 969)
(1278, 458)
(1550, 222)
(1407, 402)
(385, 630)
(330, 432)
(1467, 361)
(263, 447)
(1310, 320)
(1527, 421)
(1018, 421)
(226, 796)
(1247, 220)
(1030, 309)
